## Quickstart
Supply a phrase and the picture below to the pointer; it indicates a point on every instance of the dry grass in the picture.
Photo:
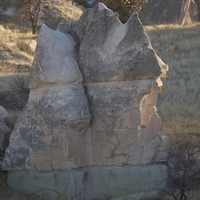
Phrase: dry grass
(59, 11)
(67, 9)
(179, 106)
(16, 55)
(16, 50)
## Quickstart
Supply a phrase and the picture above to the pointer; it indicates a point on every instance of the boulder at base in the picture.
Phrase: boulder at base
(105, 183)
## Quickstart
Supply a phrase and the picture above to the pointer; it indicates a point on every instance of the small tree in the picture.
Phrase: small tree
(125, 7)
(183, 170)
(28, 10)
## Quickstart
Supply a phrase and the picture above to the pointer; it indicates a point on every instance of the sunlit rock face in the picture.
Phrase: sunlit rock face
(121, 76)
(109, 116)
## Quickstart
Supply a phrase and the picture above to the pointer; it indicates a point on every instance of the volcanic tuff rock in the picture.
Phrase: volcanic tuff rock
(112, 51)
(4, 129)
(113, 120)
(113, 183)
(49, 132)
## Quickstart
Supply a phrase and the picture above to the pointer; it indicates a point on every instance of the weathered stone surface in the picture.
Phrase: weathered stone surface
(120, 71)
(49, 133)
(170, 12)
(121, 83)
(113, 183)
(54, 60)
(3, 113)
(91, 140)
(112, 51)
(4, 129)
(125, 123)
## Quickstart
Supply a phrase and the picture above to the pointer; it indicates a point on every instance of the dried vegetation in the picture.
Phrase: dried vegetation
(16, 49)
(178, 106)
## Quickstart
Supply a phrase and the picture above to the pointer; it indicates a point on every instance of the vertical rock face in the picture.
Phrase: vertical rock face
(112, 51)
(49, 133)
(4, 129)
(108, 118)
(126, 127)
(121, 76)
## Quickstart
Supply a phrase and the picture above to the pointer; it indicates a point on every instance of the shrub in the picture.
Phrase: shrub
(183, 169)
(19, 91)
(24, 46)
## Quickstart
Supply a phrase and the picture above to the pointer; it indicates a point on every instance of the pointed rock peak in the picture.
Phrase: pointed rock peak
(111, 51)
(54, 60)
(101, 7)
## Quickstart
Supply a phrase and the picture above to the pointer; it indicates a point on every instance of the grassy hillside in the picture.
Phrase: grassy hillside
(179, 106)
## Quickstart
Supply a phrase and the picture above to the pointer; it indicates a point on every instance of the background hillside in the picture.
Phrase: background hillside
(178, 106)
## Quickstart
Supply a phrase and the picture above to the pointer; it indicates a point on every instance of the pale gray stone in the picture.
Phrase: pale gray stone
(49, 132)
(125, 123)
(121, 84)
(112, 51)
(4, 129)
(114, 183)
(90, 130)
(54, 59)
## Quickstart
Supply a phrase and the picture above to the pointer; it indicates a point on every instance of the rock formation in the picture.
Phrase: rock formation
(49, 132)
(170, 12)
(4, 129)
(92, 106)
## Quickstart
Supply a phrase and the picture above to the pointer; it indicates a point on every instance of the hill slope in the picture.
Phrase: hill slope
(179, 105)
